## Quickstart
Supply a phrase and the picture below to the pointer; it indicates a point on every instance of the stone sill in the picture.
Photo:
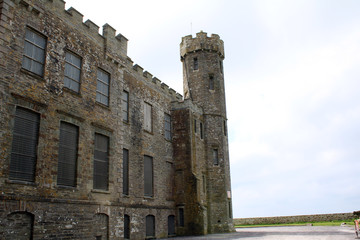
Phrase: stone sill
(100, 191)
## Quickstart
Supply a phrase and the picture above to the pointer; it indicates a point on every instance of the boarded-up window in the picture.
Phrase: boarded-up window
(125, 171)
(150, 226)
(24, 145)
(125, 106)
(68, 147)
(101, 226)
(19, 226)
(148, 176)
(72, 71)
(171, 225)
(34, 52)
(147, 117)
(167, 126)
(170, 180)
(181, 217)
(102, 87)
(101, 162)
(126, 226)
(215, 157)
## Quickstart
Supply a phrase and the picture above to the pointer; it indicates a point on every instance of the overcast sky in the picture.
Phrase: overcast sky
(292, 75)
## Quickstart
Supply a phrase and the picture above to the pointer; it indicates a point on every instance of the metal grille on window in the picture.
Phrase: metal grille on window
(150, 226)
(126, 226)
(167, 126)
(125, 172)
(72, 71)
(148, 176)
(34, 52)
(102, 88)
(125, 106)
(24, 145)
(101, 162)
(68, 147)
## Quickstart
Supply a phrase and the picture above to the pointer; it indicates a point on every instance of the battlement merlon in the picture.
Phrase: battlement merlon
(114, 44)
(202, 43)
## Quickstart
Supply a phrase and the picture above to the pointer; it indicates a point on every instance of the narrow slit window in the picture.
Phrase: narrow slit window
(196, 63)
(125, 171)
(147, 117)
(167, 126)
(215, 157)
(211, 82)
(201, 130)
(125, 106)
(148, 177)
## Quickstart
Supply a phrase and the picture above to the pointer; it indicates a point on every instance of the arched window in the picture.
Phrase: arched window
(126, 226)
(20, 225)
(150, 226)
(101, 225)
(171, 225)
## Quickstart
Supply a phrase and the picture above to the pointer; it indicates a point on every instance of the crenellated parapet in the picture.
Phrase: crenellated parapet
(202, 43)
(115, 45)
(156, 83)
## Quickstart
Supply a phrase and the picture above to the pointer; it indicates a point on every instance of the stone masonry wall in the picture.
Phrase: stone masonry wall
(293, 219)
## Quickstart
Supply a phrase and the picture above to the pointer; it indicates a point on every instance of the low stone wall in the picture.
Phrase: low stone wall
(292, 219)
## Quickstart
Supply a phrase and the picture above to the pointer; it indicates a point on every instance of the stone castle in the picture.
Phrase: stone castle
(94, 147)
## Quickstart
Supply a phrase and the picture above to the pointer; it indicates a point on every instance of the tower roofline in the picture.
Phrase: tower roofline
(202, 43)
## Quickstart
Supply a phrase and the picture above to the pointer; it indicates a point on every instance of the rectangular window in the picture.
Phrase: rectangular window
(68, 147)
(102, 88)
(225, 128)
(230, 210)
(196, 64)
(204, 183)
(195, 126)
(125, 171)
(170, 180)
(126, 226)
(201, 130)
(34, 52)
(148, 176)
(147, 117)
(181, 217)
(211, 82)
(125, 106)
(221, 66)
(24, 145)
(101, 162)
(167, 126)
(215, 157)
(72, 71)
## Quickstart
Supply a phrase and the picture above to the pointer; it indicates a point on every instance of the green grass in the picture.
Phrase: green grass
(332, 223)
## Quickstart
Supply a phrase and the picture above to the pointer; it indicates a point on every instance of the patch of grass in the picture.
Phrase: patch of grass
(332, 223)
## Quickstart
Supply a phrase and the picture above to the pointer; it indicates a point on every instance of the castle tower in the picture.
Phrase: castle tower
(202, 59)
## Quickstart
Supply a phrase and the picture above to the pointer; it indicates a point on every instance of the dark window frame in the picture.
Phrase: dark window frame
(127, 226)
(150, 226)
(181, 217)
